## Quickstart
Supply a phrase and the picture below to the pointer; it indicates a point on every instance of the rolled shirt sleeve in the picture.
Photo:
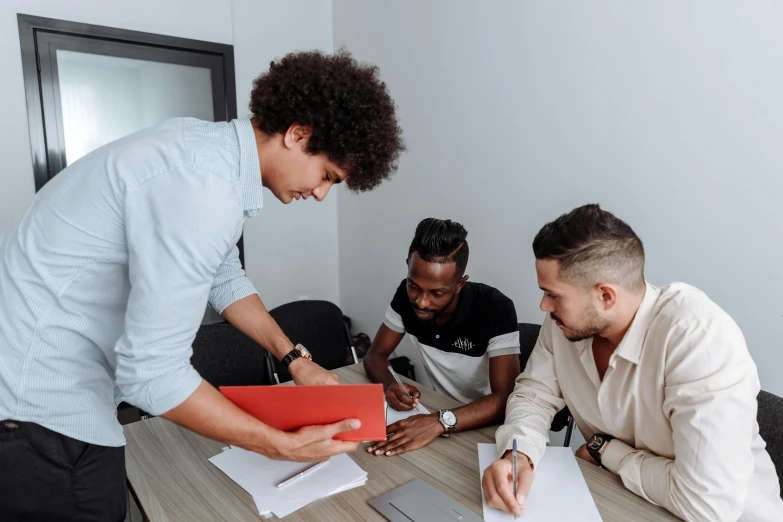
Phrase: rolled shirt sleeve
(180, 229)
(533, 403)
(230, 283)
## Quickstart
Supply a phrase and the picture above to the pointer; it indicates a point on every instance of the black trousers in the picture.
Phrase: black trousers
(46, 476)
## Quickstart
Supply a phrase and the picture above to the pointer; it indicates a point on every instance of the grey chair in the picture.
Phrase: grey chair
(319, 326)
(770, 418)
(528, 336)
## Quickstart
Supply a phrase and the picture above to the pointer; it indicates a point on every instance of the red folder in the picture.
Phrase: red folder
(288, 408)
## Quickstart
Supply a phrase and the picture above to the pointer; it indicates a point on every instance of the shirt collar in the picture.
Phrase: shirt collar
(249, 167)
(630, 348)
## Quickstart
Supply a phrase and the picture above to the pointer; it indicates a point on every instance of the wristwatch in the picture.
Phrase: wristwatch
(297, 352)
(448, 419)
(597, 445)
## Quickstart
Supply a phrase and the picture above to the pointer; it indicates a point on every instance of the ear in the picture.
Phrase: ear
(607, 295)
(462, 282)
(296, 136)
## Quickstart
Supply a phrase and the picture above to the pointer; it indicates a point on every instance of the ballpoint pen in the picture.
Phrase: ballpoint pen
(396, 378)
(514, 467)
(299, 474)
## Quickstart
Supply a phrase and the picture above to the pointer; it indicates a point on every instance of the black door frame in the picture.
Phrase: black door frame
(39, 39)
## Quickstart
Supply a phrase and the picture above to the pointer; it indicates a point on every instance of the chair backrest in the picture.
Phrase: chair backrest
(319, 326)
(224, 356)
(770, 418)
(528, 335)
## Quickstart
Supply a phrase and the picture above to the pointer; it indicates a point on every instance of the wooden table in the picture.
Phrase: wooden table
(172, 480)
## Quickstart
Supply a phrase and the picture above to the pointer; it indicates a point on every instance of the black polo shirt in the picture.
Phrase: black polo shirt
(456, 354)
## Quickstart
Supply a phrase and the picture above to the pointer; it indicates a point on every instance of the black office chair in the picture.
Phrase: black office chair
(224, 356)
(528, 336)
(319, 326)
(770, 419)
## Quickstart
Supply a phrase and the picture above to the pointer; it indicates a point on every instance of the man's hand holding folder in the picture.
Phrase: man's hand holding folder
(315, 443)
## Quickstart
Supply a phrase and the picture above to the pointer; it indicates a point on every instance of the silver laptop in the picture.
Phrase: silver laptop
(418, 501)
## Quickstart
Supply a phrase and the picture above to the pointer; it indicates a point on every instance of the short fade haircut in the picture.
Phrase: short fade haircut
(441, 241)
(593, 246)
(344, 102)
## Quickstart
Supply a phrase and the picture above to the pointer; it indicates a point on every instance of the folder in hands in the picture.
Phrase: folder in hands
(288, 408)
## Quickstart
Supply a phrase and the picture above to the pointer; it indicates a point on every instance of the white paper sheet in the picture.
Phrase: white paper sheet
(393, 415)
(559, 490)
(264, 512)
(259, 476)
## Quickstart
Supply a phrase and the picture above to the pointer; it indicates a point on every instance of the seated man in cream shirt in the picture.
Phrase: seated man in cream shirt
(659, 381)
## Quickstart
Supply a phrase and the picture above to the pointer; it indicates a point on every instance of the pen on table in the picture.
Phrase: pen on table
(396, 378)
(514, 466)
(300, 474)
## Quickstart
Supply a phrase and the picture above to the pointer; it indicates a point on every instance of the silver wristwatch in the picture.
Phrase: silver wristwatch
(448, 419)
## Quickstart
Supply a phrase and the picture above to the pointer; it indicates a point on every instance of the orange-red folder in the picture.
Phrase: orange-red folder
(288, 408)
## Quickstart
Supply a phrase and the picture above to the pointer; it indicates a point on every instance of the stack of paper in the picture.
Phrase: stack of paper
(259, 476)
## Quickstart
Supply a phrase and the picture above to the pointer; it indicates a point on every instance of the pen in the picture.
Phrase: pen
(514, 467)
(396, 378)
(296, 476)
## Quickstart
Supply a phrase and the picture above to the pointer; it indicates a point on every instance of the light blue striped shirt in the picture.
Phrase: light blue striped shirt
(104, 280)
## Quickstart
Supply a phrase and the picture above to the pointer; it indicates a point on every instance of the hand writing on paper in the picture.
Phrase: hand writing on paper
(408, 435)
(398, 400)
(499, 488)
(314, 443)
(583, 454)
(307, 372)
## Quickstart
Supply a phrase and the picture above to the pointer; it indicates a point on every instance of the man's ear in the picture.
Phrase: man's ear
(297, 136)
(462, 282)
(607, 295)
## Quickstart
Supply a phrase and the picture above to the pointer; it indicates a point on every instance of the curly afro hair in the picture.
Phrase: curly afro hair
(351, 113)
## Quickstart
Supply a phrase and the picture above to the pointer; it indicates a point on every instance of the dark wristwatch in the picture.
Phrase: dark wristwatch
(297, 352)
(597, 445)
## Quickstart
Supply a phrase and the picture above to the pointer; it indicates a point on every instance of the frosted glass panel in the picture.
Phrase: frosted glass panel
(104, 98)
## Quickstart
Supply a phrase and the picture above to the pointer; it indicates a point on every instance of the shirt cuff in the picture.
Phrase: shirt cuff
(504, 342)
(503, 351)
(506, 442)
(229, 293)
(167, 392)
(614, 454)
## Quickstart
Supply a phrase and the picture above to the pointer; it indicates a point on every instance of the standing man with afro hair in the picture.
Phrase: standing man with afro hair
(106, 277)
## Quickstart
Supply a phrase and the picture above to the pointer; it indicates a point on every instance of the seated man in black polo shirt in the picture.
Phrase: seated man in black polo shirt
(466, 335)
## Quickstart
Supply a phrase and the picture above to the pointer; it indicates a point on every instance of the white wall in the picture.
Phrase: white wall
(281, 241)
(293, 247)
(670, 114)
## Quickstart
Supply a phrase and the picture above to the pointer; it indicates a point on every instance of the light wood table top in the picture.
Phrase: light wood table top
(172, 480)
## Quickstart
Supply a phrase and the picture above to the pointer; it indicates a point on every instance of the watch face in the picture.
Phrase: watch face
(304, 352)
(595, 442)
(450, 418)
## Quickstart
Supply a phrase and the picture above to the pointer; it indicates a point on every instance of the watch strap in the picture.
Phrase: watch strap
(291, 357)
(596, 452)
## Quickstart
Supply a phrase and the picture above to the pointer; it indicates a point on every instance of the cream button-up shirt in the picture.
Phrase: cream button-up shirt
(679, 395)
